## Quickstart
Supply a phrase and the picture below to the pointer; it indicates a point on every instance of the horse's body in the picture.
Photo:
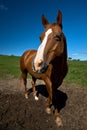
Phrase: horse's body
(51, 66)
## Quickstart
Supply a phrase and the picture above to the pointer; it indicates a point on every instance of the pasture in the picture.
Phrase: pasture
(77, 73)
(18, 113)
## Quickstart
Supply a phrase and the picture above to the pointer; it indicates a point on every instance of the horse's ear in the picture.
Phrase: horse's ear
(44, 21)
(59, 18)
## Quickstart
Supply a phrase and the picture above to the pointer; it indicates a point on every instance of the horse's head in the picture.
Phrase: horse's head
(52, 44)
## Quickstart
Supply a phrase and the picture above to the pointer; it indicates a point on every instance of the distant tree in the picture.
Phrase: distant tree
(78, 59)
(11, 55)
(69, 58)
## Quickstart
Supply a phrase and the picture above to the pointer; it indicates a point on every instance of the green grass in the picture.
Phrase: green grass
(77, 74)
(9, 67)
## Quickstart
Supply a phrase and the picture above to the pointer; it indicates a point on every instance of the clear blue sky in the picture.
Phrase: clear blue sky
(20, 25)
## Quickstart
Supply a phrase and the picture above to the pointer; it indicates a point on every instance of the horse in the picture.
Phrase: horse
(48, 63)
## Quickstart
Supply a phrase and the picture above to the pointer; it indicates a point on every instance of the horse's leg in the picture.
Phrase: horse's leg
(49, 100)
(33, 87)
(57, 118)
(24, 77)
(56, 112)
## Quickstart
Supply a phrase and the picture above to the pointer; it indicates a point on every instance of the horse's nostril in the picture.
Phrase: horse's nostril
(40, 62)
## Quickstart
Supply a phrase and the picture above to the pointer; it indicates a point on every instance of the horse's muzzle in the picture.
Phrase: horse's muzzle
(41, 70)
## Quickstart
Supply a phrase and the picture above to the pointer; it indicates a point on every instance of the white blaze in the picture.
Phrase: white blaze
(40, 51)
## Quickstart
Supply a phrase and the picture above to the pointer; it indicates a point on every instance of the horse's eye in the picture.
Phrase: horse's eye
(57, 37)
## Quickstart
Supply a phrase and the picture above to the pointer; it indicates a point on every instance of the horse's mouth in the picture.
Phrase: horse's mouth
(41, 70)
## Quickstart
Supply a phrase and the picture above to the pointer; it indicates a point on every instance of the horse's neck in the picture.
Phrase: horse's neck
(59, 70)
(59, 66)
(58, 61)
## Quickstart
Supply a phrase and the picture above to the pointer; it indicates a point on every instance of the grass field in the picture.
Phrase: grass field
(9, 67)
(77, 74)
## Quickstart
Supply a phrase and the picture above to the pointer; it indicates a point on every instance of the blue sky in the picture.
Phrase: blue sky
(21, 26)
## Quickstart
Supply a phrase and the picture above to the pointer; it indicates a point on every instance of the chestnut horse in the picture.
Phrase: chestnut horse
(48, 63)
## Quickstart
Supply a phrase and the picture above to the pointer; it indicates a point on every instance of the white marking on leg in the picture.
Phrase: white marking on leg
(26, 96)
(36, 98)
(59, 121)
(48, 110)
